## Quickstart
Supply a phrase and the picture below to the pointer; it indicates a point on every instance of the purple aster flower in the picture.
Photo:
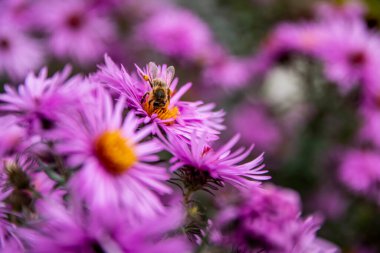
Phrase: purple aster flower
(360, 172)
(268, 220)
(22, 183)
(64, 230)
(76, 30)
(37, 103)
(16, 200)
(176, 117)
(200, 160)
(114, 162)
(349, 53)
(176, 33)
(347, 49)
(304, 38)
(19, 11)
(19, 53)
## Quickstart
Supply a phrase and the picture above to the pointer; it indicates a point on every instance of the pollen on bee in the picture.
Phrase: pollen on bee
(146, 77)
(165, 113)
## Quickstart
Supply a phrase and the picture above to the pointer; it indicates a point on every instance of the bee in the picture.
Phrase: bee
(159, 96)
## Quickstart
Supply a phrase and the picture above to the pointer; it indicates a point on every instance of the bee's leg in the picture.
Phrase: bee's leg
(143, 97)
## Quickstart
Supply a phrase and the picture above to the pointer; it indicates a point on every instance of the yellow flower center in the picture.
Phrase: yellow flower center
(162, 113)
(115, 152)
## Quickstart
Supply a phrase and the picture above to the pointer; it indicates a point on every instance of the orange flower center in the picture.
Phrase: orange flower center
(115, 152)
(162, 113)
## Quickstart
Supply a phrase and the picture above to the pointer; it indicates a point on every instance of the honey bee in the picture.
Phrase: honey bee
(159, 96)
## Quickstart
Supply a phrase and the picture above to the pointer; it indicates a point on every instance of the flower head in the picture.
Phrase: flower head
(359, 172)
(19, 53)
(114, 161)
(268, 220)
(222, 165)
(38, 102)
(77, 31)
(176, 117)
(177, 33)
(71, 229)
(20, 191)
(349, 53)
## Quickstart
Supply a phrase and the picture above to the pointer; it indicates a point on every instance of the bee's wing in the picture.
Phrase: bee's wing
(153, 69)
(170, 71)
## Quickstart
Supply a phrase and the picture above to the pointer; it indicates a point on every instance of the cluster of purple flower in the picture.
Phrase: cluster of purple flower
(268, 220)
(86, 163)
(349, 52)
(40, 31)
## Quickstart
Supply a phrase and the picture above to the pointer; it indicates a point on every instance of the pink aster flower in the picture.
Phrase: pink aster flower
(349, 53)
(22, 186)
(37, 103)
(19, 53)
(21, 12)
(63, 230)
(288, 38)
(360, 172)
(22, 182)
(176, 33)
(77, 31)
(177, 117)
(268, 220)
(115, 169)
(221, 165)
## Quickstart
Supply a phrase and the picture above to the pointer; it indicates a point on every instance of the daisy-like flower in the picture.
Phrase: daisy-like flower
(64, 230)
(288, 38)
(176, 33)
(115, 169)
(37, 103)
(176, 117)
(200, 166)
(77, 30)
(19, 53)
(349, 53)
(359, 171)
(22, 183)
(22, 187)
(268, 220)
